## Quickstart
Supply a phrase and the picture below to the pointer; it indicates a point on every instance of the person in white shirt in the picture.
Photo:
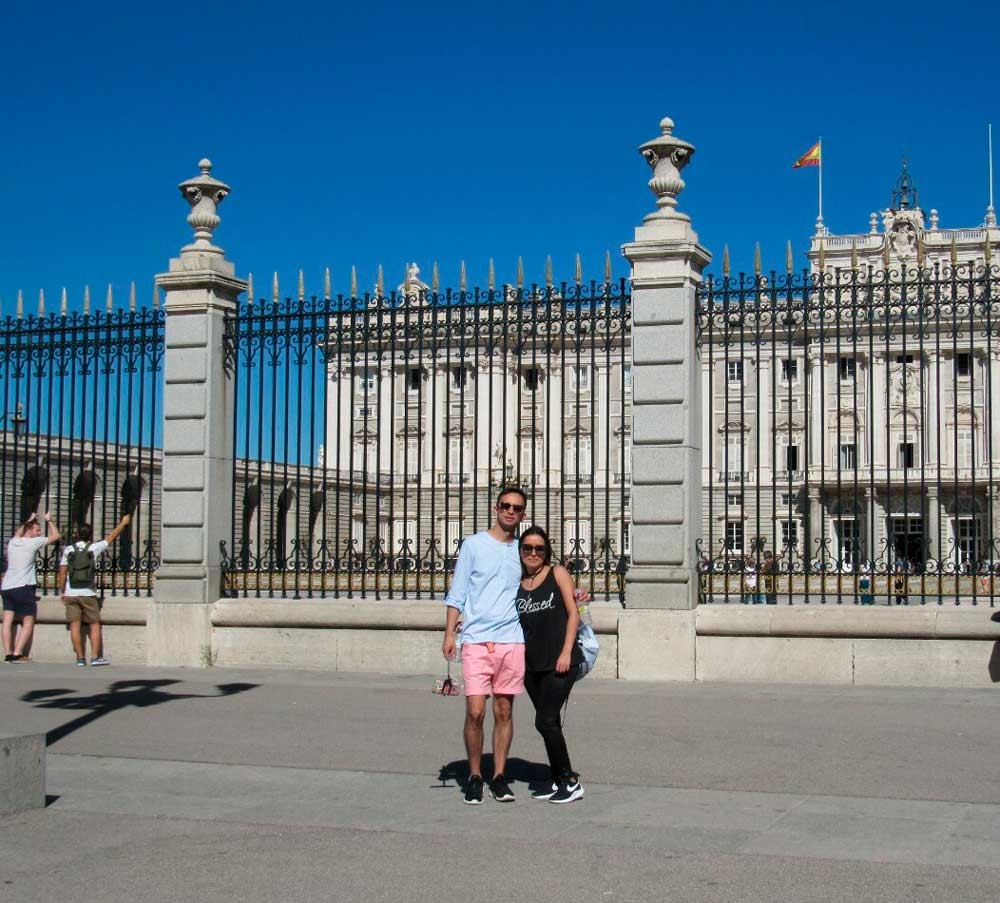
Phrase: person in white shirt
(19, 585)
(79, 566)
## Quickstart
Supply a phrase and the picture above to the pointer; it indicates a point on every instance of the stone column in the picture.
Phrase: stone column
(667, 262)
(201, 289)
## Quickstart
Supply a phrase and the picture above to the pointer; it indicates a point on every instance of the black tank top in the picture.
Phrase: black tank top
(543, 620)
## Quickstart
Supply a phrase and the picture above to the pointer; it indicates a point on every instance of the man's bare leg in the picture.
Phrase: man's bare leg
(503, 731)
(96, 640)
(23, 643)
(76, 638)
(7, 631)
(475, 713)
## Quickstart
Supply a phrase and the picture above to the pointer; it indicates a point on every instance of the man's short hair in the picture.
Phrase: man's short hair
(507, 490)
(84, 533)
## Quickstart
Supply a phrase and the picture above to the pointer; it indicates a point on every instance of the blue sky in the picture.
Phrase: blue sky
(377, 133)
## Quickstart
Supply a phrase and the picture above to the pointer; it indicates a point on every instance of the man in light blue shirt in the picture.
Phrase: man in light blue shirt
(483, 592)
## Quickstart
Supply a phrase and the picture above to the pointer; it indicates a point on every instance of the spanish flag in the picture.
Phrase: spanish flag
(812, 157)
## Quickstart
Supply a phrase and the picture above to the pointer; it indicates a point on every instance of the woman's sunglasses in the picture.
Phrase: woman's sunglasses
(532, 550)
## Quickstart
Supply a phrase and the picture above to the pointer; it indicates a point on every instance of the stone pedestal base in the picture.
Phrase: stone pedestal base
(179, 635)
(656, 645)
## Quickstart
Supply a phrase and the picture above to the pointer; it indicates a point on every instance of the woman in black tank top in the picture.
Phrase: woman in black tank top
(549, 618)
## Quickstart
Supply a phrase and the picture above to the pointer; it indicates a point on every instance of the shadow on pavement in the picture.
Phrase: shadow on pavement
(534, 774)
(119, 695)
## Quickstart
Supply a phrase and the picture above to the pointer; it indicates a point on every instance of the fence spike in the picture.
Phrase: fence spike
(109, 301)
(20, 304)
(491, 276)
(607, 266)
(954, 250)
(548, 271)
(327, 284)
(461, 276)
(41, 302)
(789, 258)
(86, 299)
(275, 290)
(885, 252)
(920, 252)
(822, 256)
(354, 282)
(725, 261)
(854, 253)
(406, 279)
(578, 269)
(380, 283)
(987, 248)
(302, 286)
(63, 303)
(756, 259)
(250, 288)
(131, 296)
(520, 272)
(435, 278)
(156, 296)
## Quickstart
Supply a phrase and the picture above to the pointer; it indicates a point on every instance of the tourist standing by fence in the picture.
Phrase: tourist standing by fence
(20, 584)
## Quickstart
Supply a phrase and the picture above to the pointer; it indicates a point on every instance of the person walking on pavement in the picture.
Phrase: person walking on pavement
(483, 592)
(77, 573)
(549, 618)
(20, 583)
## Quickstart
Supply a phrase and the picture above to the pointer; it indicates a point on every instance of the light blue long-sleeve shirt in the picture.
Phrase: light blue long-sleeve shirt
(484, 590)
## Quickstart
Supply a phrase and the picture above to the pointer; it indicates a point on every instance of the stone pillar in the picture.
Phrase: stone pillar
(667, 262)
(933, 522)
(201, 289)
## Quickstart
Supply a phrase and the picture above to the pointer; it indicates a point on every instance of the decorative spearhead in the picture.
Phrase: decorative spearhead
(131, 296)
(327, 284)
(519, 276)
(578, 269)
(109, 300)
(789, 258)
(302, 287)
(756, 259)
(725, 261)
(822, 256)
(63, 303)
(435, 278)
(461, 276)
(86, 299)
(854, 253)
(954, 250)
(380, 283)
(607, 267)
(354, 282)
(275, 289)
(491, 276)
(156, 296)
(548, 271)
(250, 291)
(20, 304)
(41, 302)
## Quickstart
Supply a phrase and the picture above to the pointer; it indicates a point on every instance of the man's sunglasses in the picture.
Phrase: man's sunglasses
(510, 506)
(532, 550)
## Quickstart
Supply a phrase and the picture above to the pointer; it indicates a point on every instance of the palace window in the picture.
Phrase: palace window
(789, 370)
(789, 534)
(847, 368)
(734, 371)
(907, 455)
(965, 448)
(579, 378)
(459, 378)
(734, 499)
(532, 378)
(963, 365)
(734, 537)
(413, 378)
(791, 457)
(848, 456)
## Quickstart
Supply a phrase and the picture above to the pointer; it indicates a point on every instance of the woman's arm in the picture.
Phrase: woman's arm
(566, 589)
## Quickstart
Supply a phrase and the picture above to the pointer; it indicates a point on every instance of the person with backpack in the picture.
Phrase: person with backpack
(20, 583)
(553, 660)
(77, 582)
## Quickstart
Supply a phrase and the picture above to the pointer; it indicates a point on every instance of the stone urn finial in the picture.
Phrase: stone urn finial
(204, 194)
(667, 156)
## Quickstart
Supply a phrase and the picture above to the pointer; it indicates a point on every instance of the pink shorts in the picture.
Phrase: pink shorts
(499, 672)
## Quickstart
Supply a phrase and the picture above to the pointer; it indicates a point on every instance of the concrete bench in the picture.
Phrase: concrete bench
(22, 772)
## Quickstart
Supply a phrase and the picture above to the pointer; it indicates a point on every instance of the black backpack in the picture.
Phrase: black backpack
(81, 568)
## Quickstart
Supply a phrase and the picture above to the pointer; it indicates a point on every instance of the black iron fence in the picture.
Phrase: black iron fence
(82, 405)
(373, 433)
(852, 440)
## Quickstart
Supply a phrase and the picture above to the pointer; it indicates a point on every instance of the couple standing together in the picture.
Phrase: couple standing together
(519, 624)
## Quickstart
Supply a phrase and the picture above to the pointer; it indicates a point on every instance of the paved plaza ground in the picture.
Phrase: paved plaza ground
(180, 785)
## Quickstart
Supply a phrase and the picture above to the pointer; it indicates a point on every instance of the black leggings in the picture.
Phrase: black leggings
(549, 692)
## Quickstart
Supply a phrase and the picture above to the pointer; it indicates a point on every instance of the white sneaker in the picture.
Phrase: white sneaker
(97, 662)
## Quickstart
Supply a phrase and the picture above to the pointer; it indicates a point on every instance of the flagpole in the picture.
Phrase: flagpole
(991, 217)
(820, 143)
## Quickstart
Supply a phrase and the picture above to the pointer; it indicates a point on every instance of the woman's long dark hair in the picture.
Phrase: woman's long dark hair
(536, 531)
